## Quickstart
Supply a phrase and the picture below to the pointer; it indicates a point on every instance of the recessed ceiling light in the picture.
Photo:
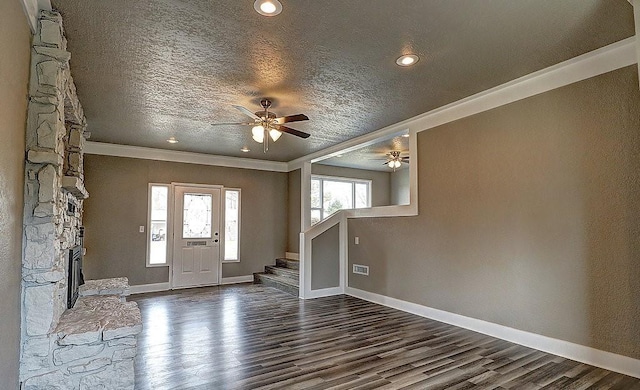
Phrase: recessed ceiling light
(268, 7)
(405, 135)
(172, 140)
(407, 60)
(245, 149)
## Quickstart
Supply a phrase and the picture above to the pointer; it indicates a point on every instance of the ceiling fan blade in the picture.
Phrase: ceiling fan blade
(291, 118)
(291, 131)
(247, 112)
(233, 124)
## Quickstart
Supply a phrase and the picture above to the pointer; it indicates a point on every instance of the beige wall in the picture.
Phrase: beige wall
(380, 181)
(15, 42)
(118, 206)
(529, 218)
(325, 252)
(293, 235)
(400, 187)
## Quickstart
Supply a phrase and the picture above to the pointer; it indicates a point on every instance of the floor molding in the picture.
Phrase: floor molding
(607, 360)
(292, 255)
(237, 279)
(147, 288)
(323, 292)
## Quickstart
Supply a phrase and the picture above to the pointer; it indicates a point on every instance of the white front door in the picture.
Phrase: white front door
(196, 236)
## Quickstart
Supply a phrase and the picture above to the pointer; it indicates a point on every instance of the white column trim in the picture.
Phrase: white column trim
(581, 353)
(305, 197)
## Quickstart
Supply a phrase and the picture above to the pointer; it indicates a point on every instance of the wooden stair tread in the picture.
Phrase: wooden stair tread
(280, 279)
(287, 263)
(286, 272)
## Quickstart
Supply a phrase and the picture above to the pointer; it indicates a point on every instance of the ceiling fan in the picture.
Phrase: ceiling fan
(266, 125)
(395, 159)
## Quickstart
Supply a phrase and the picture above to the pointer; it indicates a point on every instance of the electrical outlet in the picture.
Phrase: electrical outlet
(357, 240)
(141, 229)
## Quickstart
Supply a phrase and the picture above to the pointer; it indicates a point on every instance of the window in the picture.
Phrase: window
(330, 194)
(231, 225)
(157, 225)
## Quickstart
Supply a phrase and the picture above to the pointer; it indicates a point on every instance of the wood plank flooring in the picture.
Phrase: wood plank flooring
(257, 337)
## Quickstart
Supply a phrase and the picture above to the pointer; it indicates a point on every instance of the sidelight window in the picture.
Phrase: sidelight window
(231, 224)
(157, 225)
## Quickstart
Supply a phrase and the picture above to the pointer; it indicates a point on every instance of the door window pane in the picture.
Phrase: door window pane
(197, 216)
(231, 224)
(158, 225)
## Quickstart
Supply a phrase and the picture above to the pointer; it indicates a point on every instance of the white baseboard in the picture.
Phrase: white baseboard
(237, 279)
(166, 286)
(292, 255)
(323, 292)
(581, 353)
(147, 288)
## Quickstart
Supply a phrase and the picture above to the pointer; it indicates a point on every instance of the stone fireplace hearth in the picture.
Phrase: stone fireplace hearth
(92, 345)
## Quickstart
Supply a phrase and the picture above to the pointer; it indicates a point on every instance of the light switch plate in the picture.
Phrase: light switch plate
(141, 230)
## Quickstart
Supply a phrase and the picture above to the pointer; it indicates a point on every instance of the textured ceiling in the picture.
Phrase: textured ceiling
(150, 69)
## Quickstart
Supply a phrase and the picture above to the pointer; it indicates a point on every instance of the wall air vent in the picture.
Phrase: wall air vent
(361, 269)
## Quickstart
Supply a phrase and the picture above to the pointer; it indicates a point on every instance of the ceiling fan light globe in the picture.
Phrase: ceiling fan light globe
(257, 133)
(398, 164)
(275, 134)
(391, 164)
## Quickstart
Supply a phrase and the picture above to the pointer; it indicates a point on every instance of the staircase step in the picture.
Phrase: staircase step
(281, 283)
(289, 273)
(287, 263)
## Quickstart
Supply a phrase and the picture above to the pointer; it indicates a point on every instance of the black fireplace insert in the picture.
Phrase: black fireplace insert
(76, 278)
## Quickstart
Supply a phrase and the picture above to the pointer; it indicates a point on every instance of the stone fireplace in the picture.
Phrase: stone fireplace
(91, 345)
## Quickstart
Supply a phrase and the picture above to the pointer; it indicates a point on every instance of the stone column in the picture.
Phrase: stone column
(49, 229)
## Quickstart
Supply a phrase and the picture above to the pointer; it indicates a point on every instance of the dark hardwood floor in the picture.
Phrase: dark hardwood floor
(251, 336)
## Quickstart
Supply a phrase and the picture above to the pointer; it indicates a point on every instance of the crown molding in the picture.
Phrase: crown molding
(32, 8)
(636, 15)
(106, 149)
(606, 59)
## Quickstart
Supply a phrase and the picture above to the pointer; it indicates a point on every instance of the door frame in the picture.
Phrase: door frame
(171, 230)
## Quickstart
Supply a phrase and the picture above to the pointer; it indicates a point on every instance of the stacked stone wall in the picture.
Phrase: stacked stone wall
(54, 195)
